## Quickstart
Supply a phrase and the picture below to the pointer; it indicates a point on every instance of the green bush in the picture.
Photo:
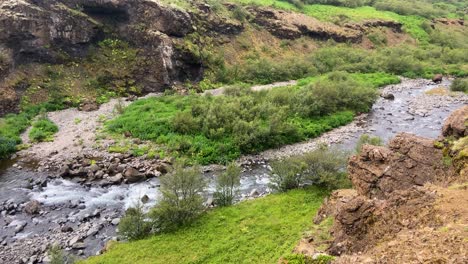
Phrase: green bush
(43, 130)
(7, 147)
(460, 85)
(134, 225)
(324, 167)
(181, 202)
(57, 256)
(218, 129)
(227, 185)
(287, 174)
(368, 140)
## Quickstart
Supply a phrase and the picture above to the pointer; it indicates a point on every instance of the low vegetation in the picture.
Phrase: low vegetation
(227, 185)
(368, 140)
(323, 167)
(12, 125)
(460, 85)
(207, 129)
(258, 231)
(43, 129)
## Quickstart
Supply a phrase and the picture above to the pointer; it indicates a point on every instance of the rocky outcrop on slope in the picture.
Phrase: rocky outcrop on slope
(401, 200)
(407, 162)
(456, 124)
(369, 24)
(289, 25)
(57, 30)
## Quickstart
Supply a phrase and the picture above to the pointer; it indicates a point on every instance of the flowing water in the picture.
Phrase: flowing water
(66, 202)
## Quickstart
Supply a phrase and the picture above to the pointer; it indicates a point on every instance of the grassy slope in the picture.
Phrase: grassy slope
(412, 24)
(257, 231)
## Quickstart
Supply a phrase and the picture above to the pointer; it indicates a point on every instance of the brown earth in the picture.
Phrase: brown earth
(408, 207)
(289, 25)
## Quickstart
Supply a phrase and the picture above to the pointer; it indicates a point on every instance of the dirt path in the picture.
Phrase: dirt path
(256, 88)
(77, 132)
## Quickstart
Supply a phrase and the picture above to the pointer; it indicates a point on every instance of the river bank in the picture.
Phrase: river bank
(83, 217)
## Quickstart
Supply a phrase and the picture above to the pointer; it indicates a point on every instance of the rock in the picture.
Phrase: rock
(74, 240)
(132, 175)
(32, 207)
(66, 229)
(20, 226)
(162, 167)
(116, 179)
(456, 123)
(408, 161)
(388, 96)
(115, 221)
(94, 168)
(88, 106)
(64, 171)
(79, 245)
(254, 193)
(93, 231)
(438, 78)
(48, 31)
(290, 25)
(144, 199)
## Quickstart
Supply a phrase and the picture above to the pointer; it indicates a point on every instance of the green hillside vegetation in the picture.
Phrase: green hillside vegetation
(258, 231)
(209, 129)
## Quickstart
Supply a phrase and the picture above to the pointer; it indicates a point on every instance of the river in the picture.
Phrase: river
(90, 213)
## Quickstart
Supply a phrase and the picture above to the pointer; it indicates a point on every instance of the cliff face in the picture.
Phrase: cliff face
(410, 203)
(51, 31)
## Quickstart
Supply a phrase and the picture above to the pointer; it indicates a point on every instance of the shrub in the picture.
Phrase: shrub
(368, 140)
(227, 185)
(460, 85)
(7, 147)
(43, 130)
(57, 256)
(181, 201)
(287, 174)
(134, 225)
(324, 167)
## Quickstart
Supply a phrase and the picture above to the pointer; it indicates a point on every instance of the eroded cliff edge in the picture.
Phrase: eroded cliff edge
(410, 203)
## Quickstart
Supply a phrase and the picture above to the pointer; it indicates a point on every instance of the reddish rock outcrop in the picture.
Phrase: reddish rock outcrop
(408, 161)
(457, 124)
(289, 25)
(400, 199)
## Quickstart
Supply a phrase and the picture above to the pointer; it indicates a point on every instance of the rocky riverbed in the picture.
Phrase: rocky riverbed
(73, 193)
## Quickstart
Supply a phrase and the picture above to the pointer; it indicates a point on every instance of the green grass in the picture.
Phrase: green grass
(43, 130)
(412, 24)
(257, 231)
(220, 129)
(376, 80)
(12, 125)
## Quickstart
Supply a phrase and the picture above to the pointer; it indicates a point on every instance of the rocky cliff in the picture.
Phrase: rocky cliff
(409, 204)
(59, 30)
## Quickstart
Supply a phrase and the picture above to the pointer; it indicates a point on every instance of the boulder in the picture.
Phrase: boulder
(456, 123)
(132, 175)
(88, 106)
(388, 96)
(32, 207)
(144, 199)
(438, 78)
(408, 161)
